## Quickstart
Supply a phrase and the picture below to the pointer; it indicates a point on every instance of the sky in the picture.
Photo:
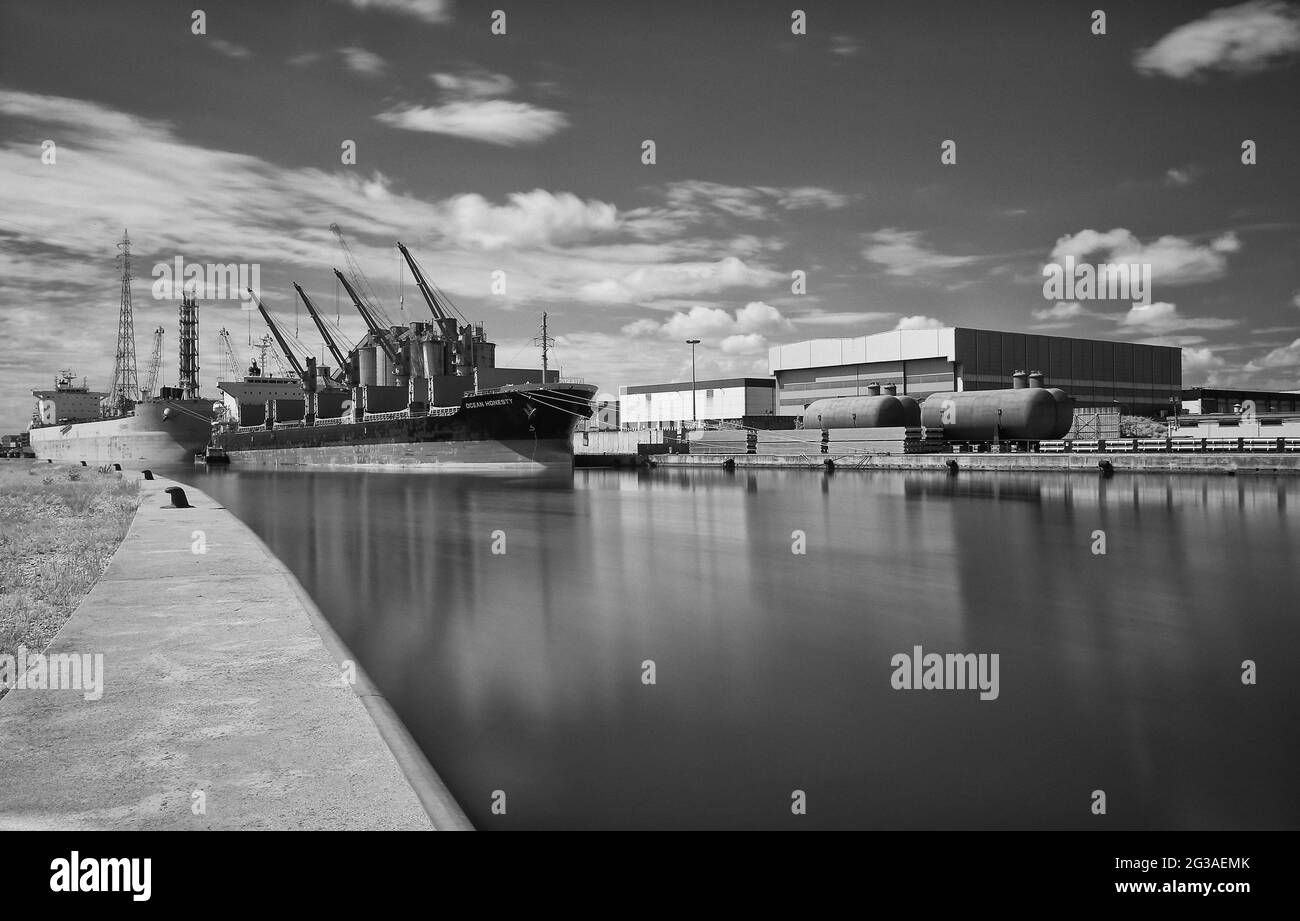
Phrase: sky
(831, 169)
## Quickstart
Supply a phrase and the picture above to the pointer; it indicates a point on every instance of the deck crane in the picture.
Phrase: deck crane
(231, 370)
(155, 362)
(344, 366)
(308, 373)
(435, 304)
(381, 335)
(359, 280)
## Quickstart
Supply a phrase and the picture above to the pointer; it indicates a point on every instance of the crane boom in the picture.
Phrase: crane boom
(155, 362)
(362, 283)
(380, 334)
(435, 306)
(284, 345)
(343, 364)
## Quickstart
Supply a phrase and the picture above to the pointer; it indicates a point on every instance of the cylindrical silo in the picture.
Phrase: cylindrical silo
(366, 366)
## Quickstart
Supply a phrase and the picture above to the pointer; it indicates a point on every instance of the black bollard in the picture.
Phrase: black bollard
(83, 463)
(148, 474)
(117, 466)
(729, 464)
(178, 497)
(952, 468)
(1107, 468)
(829, 465)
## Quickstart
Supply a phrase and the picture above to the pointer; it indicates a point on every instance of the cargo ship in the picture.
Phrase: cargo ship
(72, 423)
(423, 396)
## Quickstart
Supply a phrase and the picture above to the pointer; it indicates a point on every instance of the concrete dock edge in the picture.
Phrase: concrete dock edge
(222, 676)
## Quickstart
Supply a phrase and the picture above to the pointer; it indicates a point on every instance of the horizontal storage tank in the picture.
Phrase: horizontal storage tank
(863, 413)
(973, 415)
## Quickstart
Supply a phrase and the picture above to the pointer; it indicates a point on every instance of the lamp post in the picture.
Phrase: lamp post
(693, 343)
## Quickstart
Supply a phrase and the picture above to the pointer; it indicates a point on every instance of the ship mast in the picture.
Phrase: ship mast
(125, 391)
(546, 342)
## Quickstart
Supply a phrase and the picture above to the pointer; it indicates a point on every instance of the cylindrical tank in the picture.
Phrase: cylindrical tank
(1020, 380)
(1064, 408)
(383, 370)
(862, 413)
(891, 390)
(873, 389)
(1036, 379)
(973, 415)
(366, 365)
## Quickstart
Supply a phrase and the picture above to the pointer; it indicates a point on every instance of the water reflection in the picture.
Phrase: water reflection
(522, 670)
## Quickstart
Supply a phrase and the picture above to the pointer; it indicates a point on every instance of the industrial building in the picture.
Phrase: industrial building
(1140, 379)
(742, 400)
(1206, 400)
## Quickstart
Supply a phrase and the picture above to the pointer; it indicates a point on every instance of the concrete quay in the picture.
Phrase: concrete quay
(224, 703)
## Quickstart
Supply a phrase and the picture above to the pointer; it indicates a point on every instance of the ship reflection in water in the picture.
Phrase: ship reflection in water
(523, 671)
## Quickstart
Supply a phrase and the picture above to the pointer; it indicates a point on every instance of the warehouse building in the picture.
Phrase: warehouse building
(733, 399)
(1198, 400)
(1141, 379)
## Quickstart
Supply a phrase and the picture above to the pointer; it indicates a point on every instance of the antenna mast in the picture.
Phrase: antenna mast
(546, 342)
(126, 383)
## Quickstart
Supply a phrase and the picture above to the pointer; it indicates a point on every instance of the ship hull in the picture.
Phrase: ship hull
(159, 433)
(524, 431)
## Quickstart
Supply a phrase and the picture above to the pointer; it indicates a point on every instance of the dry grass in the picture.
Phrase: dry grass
(59, 526)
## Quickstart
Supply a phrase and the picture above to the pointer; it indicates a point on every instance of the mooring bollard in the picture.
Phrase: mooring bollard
(1107, 468)
(148, 474)
(178, 497)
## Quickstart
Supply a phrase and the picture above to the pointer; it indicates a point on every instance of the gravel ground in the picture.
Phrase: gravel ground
(59, 526)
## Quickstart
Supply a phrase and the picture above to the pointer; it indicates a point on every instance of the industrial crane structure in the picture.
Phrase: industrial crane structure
(155, 364)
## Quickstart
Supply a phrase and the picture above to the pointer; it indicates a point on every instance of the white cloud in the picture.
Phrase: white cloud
(474, 84)
(1164, 317)
(1061, 310)
(229, 49)
(431, 11)
(806, 196)
(1173, 260)
(1179, 176)
(304, 59)
(902, 253)
(1239, 40)
(741, 332)
(845, 45)
(920, 322)
(1287, 356)
(493, 121)
(363, 62)
(681, 279)
(536, 218)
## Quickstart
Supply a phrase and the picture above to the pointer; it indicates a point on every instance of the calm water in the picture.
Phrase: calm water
(522, 672)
